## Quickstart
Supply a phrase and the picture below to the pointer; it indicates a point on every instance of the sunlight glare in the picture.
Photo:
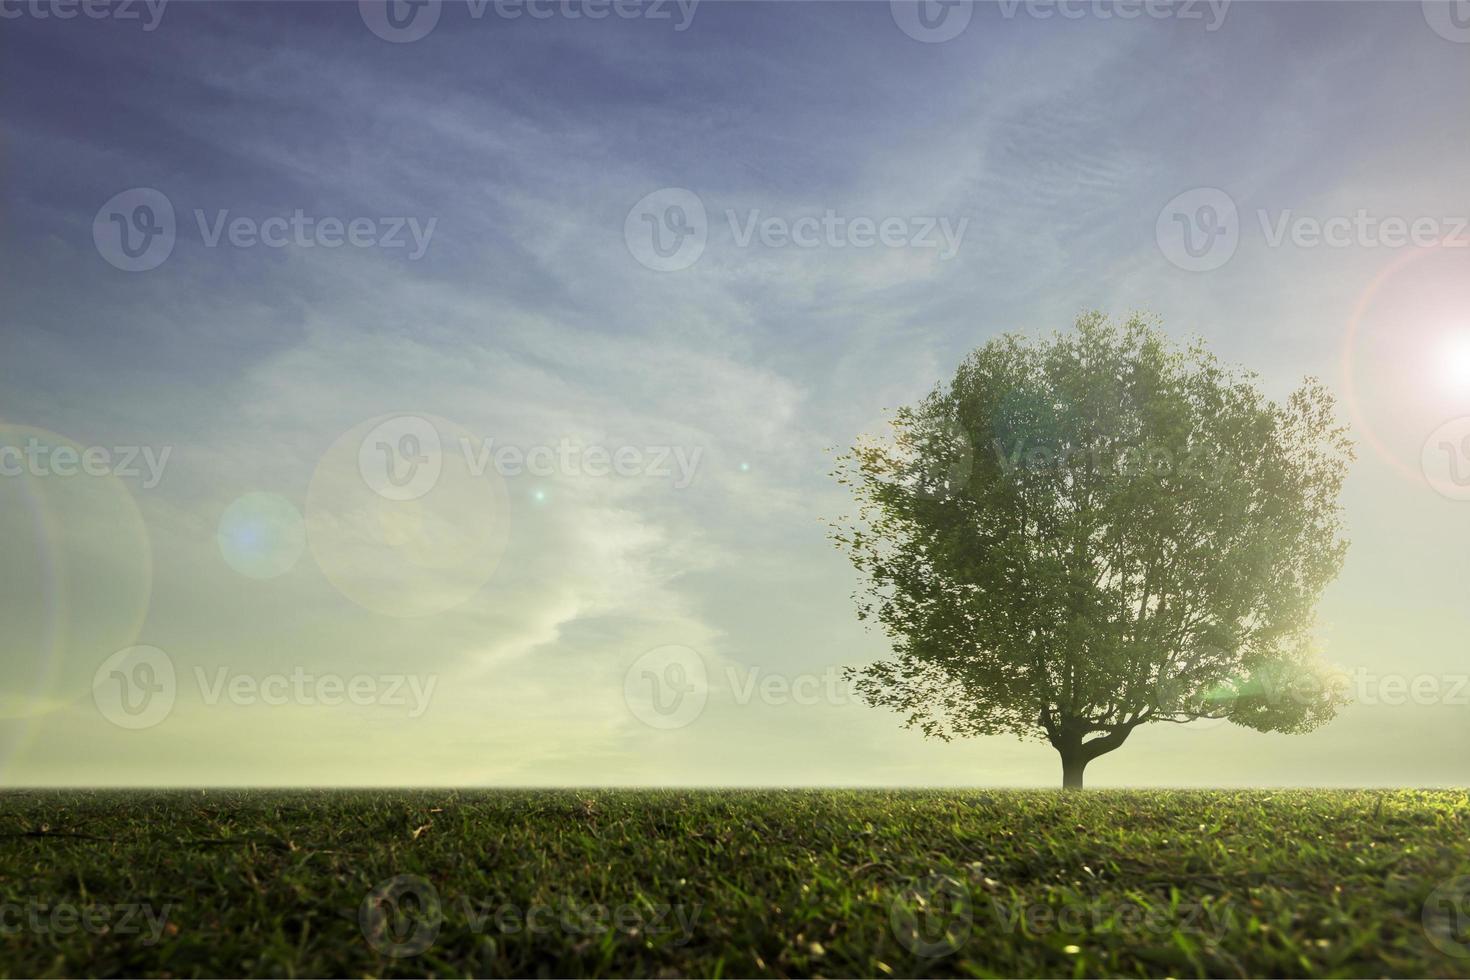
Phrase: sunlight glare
(1455, 362)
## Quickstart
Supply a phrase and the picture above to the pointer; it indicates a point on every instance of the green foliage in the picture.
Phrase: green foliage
(771, 883)
(1078, 536)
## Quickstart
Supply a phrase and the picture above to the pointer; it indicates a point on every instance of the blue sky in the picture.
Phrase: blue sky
(517, 148)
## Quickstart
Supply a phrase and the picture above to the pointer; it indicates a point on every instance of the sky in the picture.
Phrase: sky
(448, 394)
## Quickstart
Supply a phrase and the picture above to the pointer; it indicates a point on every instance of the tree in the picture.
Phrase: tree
(1078, 536)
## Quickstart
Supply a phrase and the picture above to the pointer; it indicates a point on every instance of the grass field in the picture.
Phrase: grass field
(734, 883)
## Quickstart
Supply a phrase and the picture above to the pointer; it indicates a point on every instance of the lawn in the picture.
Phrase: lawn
(734, 883)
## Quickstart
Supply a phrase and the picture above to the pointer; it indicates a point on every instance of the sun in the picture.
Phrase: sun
(1454, 362)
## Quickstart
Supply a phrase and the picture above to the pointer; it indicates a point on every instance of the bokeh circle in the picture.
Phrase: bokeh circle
(415, 555)
(261, 535)
(79, 576)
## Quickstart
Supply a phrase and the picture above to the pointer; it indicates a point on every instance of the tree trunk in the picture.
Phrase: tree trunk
(1072, 766)
(1076, 753)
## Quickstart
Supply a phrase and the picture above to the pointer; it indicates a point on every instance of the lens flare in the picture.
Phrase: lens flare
(1454, 361)
(1405, 371)
(261, 535)
(80, 582)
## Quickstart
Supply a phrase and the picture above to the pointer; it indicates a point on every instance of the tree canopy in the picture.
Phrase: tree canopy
(1080, 535)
